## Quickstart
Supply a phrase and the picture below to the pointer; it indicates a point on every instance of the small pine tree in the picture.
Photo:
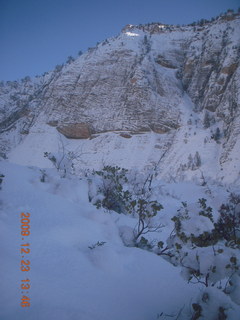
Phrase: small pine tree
(26, 79)
(190, 161)
(70, 59)
(206, 120)
(58, 67)
(197, 160)
(217, 135)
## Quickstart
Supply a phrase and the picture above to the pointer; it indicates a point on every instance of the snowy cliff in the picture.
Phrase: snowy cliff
(154, 96)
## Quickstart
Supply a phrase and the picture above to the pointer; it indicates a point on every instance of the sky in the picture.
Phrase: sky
(36, 35)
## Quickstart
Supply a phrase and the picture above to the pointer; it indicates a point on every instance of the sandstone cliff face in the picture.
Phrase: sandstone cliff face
(136, 83)
(115, 88)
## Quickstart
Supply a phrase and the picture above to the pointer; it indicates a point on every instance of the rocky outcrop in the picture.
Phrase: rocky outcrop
(165, 62)
(125, 135)
(75, 131)
(211, 63)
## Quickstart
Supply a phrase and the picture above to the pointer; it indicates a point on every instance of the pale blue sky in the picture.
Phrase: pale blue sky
(36, 35)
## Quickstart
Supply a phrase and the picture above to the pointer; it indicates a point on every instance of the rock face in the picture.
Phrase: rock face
(75, 131)
(136, 82)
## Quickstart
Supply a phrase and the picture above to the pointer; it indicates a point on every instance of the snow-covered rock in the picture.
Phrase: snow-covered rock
(155, 84)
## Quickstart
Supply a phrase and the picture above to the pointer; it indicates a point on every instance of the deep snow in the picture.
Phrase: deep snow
(69, 280)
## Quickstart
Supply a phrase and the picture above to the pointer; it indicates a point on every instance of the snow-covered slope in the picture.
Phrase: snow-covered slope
(70, 276)
(155, 95)
(68, 279)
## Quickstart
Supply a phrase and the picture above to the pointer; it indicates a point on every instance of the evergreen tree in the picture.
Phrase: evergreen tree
(197, 160)
(190, 162)
(217, 135)
(70, 59)
(206, 120)
(58, 67)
